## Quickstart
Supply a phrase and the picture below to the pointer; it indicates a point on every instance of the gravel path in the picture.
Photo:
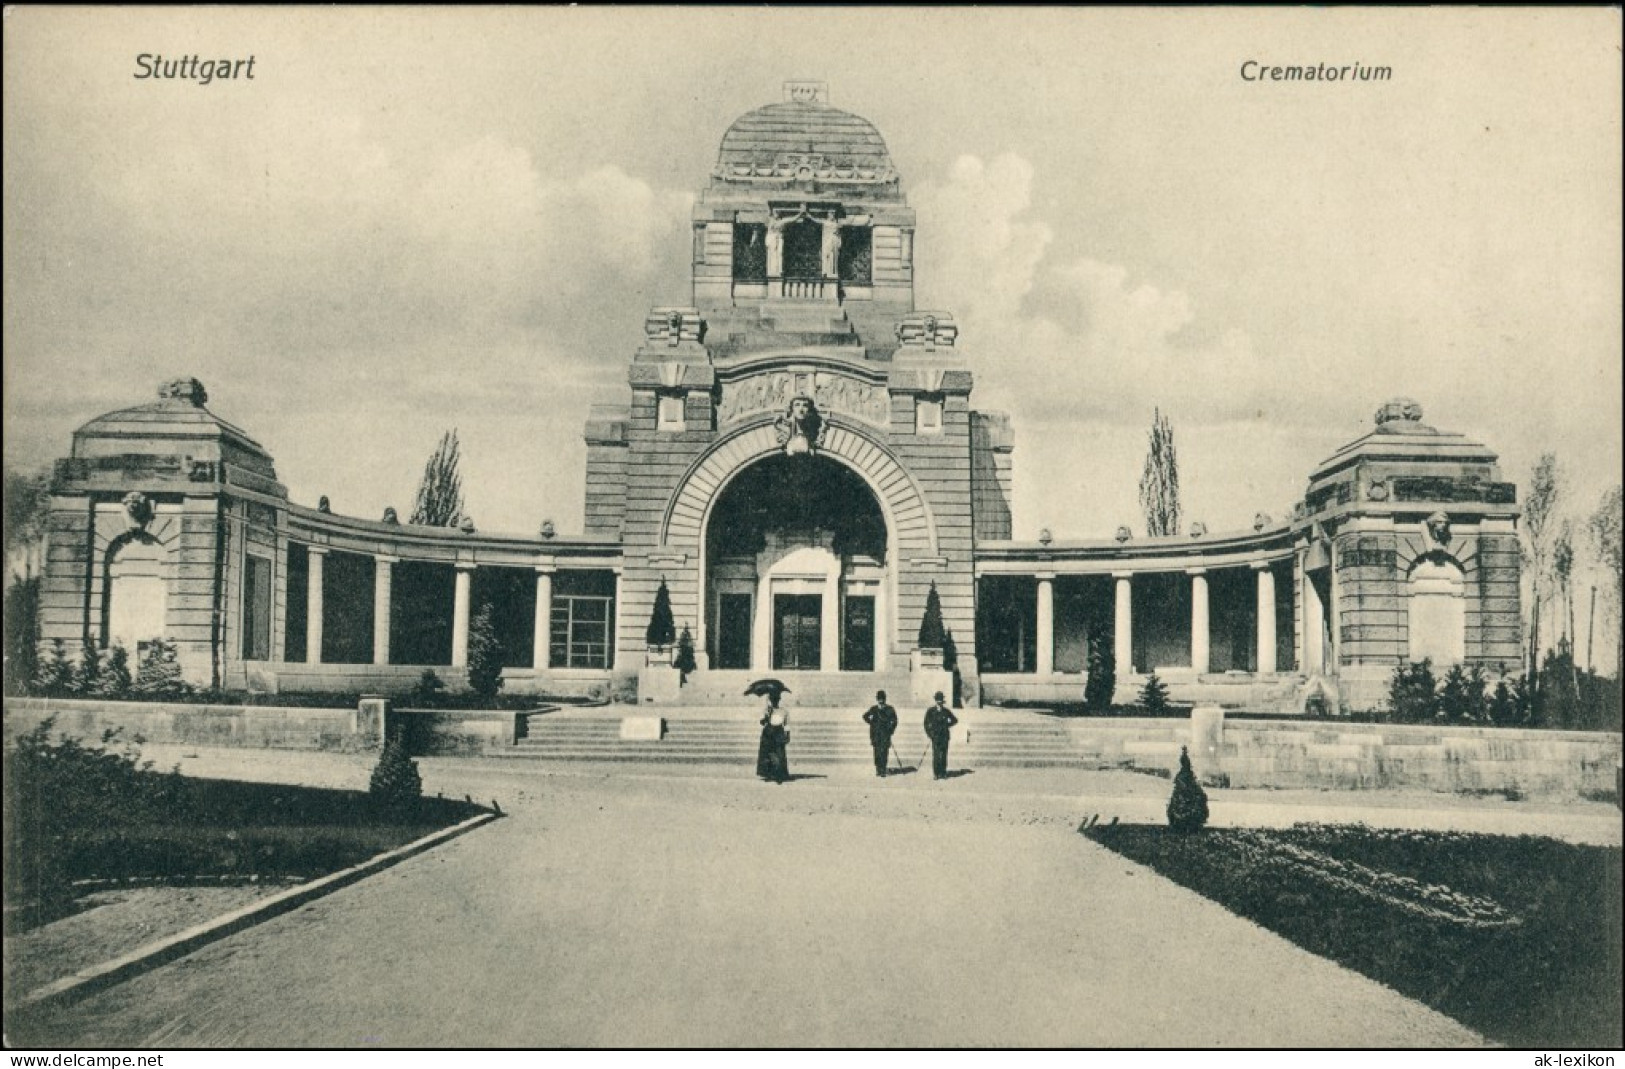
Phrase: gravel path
(653, 910)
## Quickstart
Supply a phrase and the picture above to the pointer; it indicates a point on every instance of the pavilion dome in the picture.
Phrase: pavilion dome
(804, 139)
(177, 423)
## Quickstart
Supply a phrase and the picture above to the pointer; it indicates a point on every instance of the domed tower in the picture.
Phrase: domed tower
(799, 463)
(804, 208)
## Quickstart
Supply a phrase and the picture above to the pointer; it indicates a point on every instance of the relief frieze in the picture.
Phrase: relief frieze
(833, 394)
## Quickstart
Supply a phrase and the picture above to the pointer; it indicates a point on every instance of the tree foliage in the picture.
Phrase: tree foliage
(932, 633)
(27, 501)
(1187, 806)
(662, 629)
(1604, 527)
(395, 781)
(1154, 695)
(484, 655)
(440, 493)
(1539, 518)
(1102, 681)
(1159, 485)
(684, 662)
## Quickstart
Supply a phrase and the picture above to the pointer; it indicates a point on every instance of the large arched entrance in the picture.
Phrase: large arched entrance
(796, 569)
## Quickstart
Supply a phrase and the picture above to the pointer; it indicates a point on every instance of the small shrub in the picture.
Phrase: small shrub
(430, 688)
(484, 656)
(159, 673)
(685, 662)
(1187, 806)
(1102, 681)
(115, 680)
(87, 674)
(1454, 703)
(396, 781)
(1503, 708)
(1413, 692)
(54, 677)
(1154, 695)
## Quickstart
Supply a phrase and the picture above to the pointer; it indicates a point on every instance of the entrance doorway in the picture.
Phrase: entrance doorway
(797, 631)
(733, 631)
(858, 635)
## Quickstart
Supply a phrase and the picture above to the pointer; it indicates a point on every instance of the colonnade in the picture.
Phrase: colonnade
(462, 597)
(1200, 620)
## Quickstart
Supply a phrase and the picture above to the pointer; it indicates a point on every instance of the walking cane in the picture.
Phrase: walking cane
(895, 756)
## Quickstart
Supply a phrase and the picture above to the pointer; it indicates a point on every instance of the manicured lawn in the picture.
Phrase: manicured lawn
(1518, 938)
(180, 830)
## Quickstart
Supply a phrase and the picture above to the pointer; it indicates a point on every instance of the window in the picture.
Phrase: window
(670, 416)
(750, 252)
(581, 632)
(257, 596)
(580, 635)
(857, 260)
(928, 415)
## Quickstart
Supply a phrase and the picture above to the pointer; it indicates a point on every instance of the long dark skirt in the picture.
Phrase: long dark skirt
(772, 762)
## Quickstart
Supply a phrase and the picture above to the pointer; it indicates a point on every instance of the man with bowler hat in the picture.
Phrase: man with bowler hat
(938, 720)
(882, 721)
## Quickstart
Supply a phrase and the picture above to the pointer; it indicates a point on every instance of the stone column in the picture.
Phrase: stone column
(616, 629)
(1266, 619)
(542, 641)
(1123, 637)
(1046, 625)
(829, 633)
(882, 618)
(1199, 621)
(313, 605)
(459, 616)
(1314, 629)
(382, 574)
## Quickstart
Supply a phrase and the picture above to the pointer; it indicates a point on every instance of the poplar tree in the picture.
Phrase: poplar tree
(1159, 485)
(1539, 513)
(440, 493)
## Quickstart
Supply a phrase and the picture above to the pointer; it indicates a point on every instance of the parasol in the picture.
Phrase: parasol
(770, 687)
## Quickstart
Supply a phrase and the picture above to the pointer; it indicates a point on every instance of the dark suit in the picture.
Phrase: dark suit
(882, 721)
(938, 720)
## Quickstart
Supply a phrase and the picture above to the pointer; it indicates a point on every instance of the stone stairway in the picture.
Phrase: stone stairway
(723, 739)
(838, 690)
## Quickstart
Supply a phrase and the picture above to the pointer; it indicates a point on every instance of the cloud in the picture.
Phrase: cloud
(977, 252)
(1080, 351)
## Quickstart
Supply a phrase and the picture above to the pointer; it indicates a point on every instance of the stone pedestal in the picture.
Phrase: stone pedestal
(371, 720)
(643, 728)
(1207, 737)
(659, 684)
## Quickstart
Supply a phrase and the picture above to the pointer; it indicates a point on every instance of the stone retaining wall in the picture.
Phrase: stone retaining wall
(437, 731)
(1521, 762)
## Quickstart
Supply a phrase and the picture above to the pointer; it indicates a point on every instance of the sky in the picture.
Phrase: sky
(419, 219)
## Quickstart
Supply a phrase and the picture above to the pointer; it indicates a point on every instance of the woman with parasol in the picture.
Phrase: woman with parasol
(772, 762)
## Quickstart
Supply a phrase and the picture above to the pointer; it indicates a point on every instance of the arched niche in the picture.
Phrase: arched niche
(136, 597)
(1437, 610)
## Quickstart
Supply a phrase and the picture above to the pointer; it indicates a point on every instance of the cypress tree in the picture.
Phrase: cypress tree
(1187, 806)
(395, 779)
(484, 656)
(932, 633)
(662, 629)
(1102, 681)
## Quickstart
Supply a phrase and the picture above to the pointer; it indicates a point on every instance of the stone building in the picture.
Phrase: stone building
(798, 460)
